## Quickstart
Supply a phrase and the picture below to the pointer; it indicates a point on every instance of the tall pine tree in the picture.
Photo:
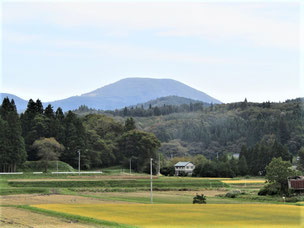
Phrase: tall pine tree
(13, 148)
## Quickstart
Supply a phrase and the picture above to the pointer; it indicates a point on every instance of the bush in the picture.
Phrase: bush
(292, 199)
(167, 171)
(270, 189)
(37, 166)
(233, 194)
(200, 199)
(183, 174)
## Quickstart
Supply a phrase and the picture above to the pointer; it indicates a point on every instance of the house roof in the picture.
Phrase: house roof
(182, 163)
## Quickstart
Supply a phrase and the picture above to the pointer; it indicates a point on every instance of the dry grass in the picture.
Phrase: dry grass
(243, 181)
(13, 217)
(172, 215)
(26, 199)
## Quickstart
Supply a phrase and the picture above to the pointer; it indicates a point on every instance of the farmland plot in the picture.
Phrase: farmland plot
(170, 215)
(25, 199)
(15, 217)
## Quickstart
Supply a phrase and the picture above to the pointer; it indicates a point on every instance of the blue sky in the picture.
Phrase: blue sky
(230, 50)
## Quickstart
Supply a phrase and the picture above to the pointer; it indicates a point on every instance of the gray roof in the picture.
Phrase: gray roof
(182, 163)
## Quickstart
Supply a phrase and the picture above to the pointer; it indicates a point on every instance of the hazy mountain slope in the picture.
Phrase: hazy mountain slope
(148, 89)
(132, 91)
(20, 103)
(127, 92)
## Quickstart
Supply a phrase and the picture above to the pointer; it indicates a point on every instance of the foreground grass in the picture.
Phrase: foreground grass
(172, 215)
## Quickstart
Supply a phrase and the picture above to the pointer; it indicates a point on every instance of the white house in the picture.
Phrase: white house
(184, 167)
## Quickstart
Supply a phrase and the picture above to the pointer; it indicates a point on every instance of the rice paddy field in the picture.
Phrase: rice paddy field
(122, 200)
(170, 215)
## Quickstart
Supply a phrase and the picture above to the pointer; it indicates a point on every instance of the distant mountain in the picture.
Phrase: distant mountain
(169, 100)
(20, 103)
(127, 92)
(132, 91)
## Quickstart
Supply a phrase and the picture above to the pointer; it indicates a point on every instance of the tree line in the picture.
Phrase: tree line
(140, 111)
(99, 139)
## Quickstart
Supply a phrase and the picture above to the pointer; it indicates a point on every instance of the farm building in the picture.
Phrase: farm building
(182, 168)
(296, 183)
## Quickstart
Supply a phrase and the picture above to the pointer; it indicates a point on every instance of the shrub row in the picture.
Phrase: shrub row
(10, 191)
(121, 184)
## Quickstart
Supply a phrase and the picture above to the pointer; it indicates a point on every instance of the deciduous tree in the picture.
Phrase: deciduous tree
(48, 149)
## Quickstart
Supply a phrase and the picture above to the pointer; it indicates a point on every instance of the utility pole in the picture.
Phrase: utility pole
(79, 163)
(151, 195)
(130, 165)
(158, 163)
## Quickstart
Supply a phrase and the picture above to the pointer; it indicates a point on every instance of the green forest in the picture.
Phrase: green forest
(223, 140)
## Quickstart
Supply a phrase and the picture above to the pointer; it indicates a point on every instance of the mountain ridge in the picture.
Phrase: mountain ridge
(129, 92)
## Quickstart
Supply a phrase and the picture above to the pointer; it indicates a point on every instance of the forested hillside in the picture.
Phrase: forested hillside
(256, 131)
(225, 128)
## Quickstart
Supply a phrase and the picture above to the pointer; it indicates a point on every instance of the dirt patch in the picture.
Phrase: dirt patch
(15, 217)
(26, 199)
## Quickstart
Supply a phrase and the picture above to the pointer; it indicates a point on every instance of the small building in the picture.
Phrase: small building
(296, 183)
(184, 168)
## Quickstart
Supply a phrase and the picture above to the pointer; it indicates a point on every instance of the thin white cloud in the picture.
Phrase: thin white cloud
(214, 21)
(58, 47)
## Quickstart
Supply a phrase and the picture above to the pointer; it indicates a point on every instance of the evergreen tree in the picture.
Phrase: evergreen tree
(59, 114)
(4, 145)
(243, 168)
(130, 124)
(284, 134)
(301, 159)
(244, 104)
(39, 107)
(28, 124)
(74, 140)
(49, 112)
(13, 142)
(234, 166)
(125, 111)
(280, 151)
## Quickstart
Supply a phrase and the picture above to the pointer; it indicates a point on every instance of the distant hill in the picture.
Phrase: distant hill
(20, 103)
(169, 104)
(132, 91)
(128, 92)
(169, 100)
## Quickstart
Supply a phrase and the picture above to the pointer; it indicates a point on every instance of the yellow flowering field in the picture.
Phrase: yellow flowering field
(188, 215)
(243, 181)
